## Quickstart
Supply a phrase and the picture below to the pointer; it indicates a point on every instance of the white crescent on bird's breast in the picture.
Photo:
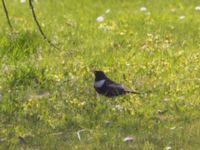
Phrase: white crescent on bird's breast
(99, 83)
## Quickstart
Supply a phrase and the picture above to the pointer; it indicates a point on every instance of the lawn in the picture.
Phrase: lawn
(47, 99)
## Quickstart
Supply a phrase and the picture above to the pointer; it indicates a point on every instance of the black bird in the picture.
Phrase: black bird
(105, 86)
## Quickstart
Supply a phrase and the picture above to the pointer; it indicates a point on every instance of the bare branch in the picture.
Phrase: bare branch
(6, 12)
(39, 26)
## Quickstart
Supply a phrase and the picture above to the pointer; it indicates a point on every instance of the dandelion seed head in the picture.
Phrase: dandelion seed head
(100, 19)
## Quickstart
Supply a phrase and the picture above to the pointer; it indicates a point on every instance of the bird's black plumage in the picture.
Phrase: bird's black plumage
(105, 86)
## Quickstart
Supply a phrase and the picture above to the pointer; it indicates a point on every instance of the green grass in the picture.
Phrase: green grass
(47, 95)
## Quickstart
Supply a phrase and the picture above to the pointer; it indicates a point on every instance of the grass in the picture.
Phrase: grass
(47, 95)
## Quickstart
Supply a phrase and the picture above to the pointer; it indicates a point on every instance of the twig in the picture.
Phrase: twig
(6, 12)
(78, 133)
(39, 26)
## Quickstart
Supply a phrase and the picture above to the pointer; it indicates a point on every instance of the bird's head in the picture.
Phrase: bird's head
(99, 75)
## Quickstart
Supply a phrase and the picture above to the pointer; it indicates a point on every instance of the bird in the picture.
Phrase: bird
(105, 86)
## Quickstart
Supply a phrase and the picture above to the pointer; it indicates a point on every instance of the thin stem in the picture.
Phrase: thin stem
(6, 12)
(39, 26)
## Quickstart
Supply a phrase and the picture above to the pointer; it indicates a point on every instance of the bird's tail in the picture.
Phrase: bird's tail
(134, 92)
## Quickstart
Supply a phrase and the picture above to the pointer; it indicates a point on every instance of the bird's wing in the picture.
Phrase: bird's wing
(114, 85)
(119, 87)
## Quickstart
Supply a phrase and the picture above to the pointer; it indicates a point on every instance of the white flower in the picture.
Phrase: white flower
(105, 27)
(23, 1)
(100, 19)
(168, 148)
(182, 17)
(108, 11)
(119, 107)
(197, 8)
(143, 9)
